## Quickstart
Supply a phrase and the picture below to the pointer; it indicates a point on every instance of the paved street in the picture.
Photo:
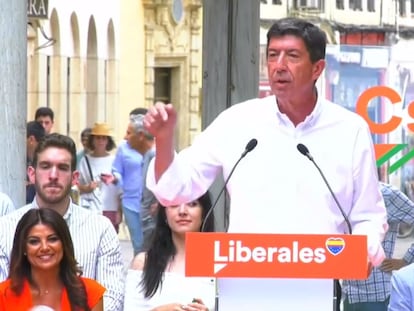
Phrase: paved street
(127, 252)
(126, 245)
(402, 246)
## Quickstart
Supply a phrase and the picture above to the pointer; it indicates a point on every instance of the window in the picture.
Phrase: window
(402, 8)
(310, 4)
(276, 1)
(340, 4)
(355, 5)
(263, 1)
(412, 6)
(162, 84)
(371, 5)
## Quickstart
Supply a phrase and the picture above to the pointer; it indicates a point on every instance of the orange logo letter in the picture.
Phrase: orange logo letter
(362, 108)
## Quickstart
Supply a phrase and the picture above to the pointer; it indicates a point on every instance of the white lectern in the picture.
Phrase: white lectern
(276, 271)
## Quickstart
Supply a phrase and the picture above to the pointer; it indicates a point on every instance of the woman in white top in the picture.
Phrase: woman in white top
(156, 280)
(98, 191)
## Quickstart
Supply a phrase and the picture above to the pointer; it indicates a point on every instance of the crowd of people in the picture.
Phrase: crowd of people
(62, 252)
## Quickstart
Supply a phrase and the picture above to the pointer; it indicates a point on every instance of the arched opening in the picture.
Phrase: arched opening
(75, 109)
(55, 71)
(91, 74)
(111, 92)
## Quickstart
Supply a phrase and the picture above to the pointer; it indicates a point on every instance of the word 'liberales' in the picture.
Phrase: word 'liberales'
(237, 252)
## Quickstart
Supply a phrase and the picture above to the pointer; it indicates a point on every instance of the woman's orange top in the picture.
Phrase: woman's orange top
(11, 302)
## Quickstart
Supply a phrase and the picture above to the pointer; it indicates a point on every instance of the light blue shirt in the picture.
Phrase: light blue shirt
(129, 164)
(402, 289)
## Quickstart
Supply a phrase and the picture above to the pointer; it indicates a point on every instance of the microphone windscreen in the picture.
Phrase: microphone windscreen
(251, 144)
(303, 149)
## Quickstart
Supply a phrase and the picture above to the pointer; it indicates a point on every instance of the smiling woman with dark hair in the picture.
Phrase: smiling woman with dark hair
(156, 280)
(43, 269)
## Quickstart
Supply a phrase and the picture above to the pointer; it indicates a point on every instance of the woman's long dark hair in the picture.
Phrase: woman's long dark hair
(69, 272)
(162, 248)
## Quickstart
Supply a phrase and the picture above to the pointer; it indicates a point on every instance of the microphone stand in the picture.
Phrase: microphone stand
(337, 289)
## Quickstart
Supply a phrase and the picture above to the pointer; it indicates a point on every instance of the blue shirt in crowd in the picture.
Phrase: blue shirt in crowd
(128, 163)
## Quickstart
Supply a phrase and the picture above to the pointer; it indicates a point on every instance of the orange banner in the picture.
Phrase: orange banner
(276, 255)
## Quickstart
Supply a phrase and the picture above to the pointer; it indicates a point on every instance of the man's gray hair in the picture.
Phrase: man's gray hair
(137, 122)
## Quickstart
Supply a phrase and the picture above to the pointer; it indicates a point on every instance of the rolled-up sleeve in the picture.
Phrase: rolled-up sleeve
(368, 215)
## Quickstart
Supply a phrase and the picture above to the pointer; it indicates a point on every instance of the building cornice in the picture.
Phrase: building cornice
(405, 32)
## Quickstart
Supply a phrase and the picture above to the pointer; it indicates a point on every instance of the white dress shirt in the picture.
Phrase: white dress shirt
(402, 289)
(175, 288)
(275, 189)
(6, 204)
(97, 249)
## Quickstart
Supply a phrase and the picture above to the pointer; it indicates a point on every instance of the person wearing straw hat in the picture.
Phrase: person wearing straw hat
(97, 192)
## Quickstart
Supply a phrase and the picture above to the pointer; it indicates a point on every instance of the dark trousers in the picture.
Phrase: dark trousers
(366, 306)
(338, 292)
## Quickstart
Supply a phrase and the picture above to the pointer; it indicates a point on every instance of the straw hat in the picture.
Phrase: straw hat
(101, 129)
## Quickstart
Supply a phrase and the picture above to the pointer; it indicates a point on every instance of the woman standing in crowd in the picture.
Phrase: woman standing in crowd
(156, 280)
(97, 194)
(43, 269)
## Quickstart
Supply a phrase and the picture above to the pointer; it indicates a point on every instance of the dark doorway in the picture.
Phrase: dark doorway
(162, 84)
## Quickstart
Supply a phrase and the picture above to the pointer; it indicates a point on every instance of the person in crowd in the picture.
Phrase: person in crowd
(84, 141)
(96, 194)
(97, 247)
(374, 293)
(34, 133)
(156, 279)
(128, 164)
(6, 204)
(149, 203)
(275, 184)
(75, 194)
(43, 268)
(45, 116)
(402, 289)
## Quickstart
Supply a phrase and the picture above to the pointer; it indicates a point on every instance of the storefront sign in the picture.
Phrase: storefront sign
(37, 9)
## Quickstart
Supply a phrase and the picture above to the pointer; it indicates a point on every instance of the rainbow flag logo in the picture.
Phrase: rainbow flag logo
(335, 245)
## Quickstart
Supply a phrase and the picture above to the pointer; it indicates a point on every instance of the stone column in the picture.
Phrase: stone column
(13, 98)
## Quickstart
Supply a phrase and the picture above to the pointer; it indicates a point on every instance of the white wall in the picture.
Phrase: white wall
(102, 11)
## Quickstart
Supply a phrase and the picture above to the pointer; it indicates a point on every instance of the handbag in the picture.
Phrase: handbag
(89, 167)
(88, 202)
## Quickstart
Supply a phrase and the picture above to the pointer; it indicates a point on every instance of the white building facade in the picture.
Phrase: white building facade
(72, 63)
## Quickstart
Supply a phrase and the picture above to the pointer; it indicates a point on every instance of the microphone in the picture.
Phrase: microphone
(305, 151)
(249, 147)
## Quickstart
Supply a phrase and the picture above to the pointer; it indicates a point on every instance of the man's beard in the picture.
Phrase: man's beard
(56, 199)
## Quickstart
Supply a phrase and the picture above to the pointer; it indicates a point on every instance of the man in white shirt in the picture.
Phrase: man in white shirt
(6, 204)
(275, 189)
(96, 244)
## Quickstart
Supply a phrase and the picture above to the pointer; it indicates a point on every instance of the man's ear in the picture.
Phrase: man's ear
(31, 174)
(75, 178)
(318, 68)
(31, 139)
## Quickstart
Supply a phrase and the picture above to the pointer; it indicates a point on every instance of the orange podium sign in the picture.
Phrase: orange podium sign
(315, 256)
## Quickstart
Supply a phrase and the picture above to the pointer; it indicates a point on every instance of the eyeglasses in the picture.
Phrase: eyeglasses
(147, 135)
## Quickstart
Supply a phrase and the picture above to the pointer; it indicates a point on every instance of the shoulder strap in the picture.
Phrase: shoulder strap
(89, 166)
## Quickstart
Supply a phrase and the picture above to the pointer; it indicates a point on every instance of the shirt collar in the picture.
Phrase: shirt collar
(309, 121)
(66, 216)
